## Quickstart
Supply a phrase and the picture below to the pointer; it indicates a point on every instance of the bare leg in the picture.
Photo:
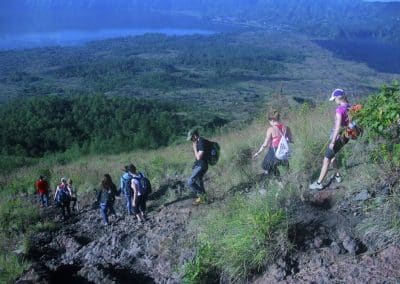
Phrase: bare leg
(335, 166)
(324, 169)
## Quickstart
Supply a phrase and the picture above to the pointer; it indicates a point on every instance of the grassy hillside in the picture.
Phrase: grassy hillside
(245, 228)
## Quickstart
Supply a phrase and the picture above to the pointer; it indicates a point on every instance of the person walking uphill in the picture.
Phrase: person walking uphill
(63, 198)
(42, 188)
(106, 197)
(200, 165)
(126, 189)
(336, 140)
(275, 132)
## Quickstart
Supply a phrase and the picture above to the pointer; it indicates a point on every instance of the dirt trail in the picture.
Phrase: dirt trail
(126, 251)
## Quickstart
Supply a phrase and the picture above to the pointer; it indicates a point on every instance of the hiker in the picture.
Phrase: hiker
(336, 140)
(139, 193)
(63, 198)
(72, 193)
(273, 137)
(200, 166)
(106, 197)
(42, 188)
(126, 189)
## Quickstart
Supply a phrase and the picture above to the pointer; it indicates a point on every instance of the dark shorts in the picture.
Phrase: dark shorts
(271, 163)
(330, 154)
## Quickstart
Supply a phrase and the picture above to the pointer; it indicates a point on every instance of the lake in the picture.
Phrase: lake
(381, 56)
(78, 37)
(22, 33)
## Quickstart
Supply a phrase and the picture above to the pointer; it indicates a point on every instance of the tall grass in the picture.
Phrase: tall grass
(16, 217)
(11, 266)
(239, 238)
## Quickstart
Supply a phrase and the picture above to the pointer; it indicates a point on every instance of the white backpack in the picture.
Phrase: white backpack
(283, 150)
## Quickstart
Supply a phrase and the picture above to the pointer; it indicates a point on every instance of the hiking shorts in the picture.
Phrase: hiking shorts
(270, 162)
(339, 143)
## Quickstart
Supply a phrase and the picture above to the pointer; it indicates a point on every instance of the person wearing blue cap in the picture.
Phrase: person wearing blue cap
(337, 141)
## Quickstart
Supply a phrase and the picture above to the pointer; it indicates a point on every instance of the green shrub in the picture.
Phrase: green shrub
(380, 117)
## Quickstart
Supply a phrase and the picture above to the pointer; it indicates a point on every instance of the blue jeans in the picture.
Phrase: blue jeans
(44, 199)
(195, 181)
(104, 208)
(128, 199)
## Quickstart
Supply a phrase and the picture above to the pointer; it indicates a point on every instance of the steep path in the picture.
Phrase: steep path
(126, 251)
(327, 246)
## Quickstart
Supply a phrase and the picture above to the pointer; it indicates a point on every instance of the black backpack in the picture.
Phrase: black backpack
(213, 153)
(144, 184)
(62, 195)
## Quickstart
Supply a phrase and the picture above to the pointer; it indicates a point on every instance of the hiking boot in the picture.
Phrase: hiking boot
(337, 178)
(198, 200)
(316, 186)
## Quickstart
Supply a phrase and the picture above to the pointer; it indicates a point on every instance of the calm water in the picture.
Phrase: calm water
(77, 37)
(383, 57)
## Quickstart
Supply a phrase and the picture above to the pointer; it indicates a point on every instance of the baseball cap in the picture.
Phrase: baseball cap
(336, 94)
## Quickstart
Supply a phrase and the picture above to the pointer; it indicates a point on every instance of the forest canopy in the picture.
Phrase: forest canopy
(100, 124)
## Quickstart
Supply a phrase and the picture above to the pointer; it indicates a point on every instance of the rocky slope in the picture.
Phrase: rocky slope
(327, 248)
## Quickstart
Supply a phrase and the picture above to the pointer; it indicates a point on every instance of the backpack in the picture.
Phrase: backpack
(144, 184)
(353, 130)
(213, 154)
(62, 195)
(282, 152)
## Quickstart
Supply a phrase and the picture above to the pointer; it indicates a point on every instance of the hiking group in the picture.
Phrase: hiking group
(279, 150)
(135, 186)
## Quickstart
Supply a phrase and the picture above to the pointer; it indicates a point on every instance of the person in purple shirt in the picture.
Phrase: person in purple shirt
(336, 141)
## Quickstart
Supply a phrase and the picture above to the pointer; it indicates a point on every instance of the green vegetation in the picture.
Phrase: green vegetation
(238, 241)
(215, 80)
(380, 117)
(11, 266)
(16, 218)
(92, 124)
(206, 71)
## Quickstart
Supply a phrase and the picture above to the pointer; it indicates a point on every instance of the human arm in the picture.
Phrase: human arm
(99, 195)
(134, 187)
(266, 143)
(55, 194)
(198, 153)
(70, 190)
(338, 122)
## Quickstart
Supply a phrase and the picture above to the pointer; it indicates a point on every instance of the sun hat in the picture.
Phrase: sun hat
(337, 93)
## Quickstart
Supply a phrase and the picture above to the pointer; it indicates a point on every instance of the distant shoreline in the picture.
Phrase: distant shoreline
(79, 37)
